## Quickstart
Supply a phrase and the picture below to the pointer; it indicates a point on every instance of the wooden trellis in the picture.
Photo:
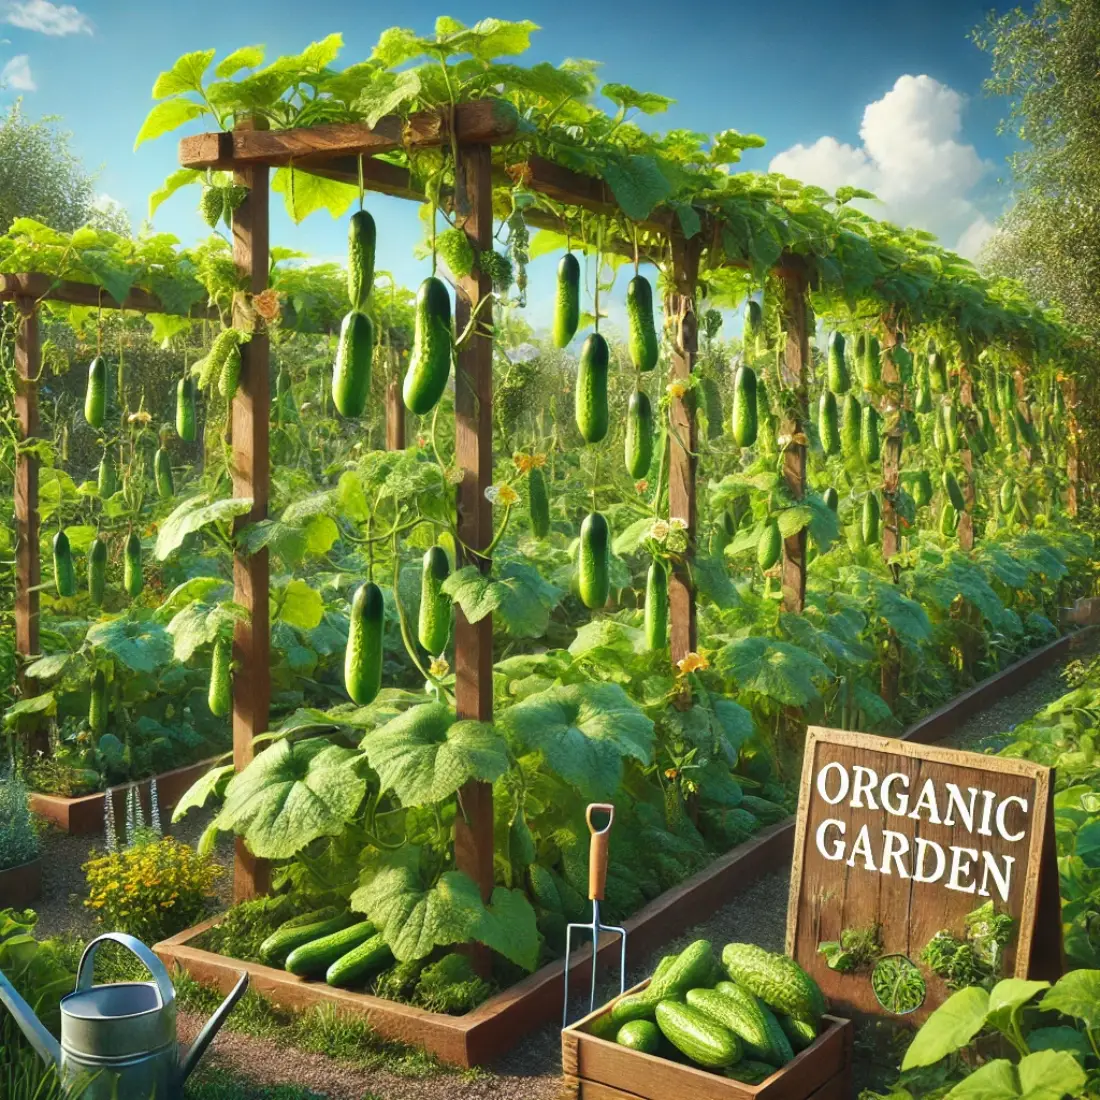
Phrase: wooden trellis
(346, 153)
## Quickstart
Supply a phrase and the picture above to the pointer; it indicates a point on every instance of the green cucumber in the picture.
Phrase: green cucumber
(64, 576)
(712, 406)
(363, 656)
(937, 372)
(301, 929)
(162, 469)
(869, 523)
(949, 520)
(642, 332)
(954, 493)
(351, 374)
(97, 703)
(538, 503)
(1008, 495)
(107, 477)
(872, 363)
(749, 1071)
(97, 571)
(430, 360)
(434, 623)
(831, 498)
(95, 397)
(372, 954)
(567, 302)
(229, 377)
(950, 414)
(747, 1017)
(639, 435)
(643, 1035)
(852, 412)
(593, 418)
(828, 423)
(839, 380)
(799, 1031)
(656, 606)
(922, 488)
(776, 979)
(594, 562)
(133, 578)
(362, 239)
(317, 955)
(745, 419)
(219, 695)
(769, 546)
(185, 410)
(753, 328)
(922, 403)
(698, 1037)
(868, 434)
(674, 976)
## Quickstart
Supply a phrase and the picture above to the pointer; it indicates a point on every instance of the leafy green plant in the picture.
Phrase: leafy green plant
(18, 838)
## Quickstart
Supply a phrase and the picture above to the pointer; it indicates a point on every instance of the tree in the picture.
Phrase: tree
(1045, 62)
(40, 176)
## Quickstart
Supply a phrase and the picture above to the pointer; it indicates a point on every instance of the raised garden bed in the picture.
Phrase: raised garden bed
(83, 814)
(494, 1027)
(598, 1069)
(22, 885)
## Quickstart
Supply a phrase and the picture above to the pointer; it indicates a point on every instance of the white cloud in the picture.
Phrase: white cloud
(57, 20)
(16, 74)
(911, 157)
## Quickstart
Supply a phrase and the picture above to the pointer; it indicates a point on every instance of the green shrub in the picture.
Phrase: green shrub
(18, 839)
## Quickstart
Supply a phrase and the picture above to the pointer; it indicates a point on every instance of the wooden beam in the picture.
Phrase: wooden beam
(28, 569)
(796, 358)
(480, 122)
(683, 440)
(474, 456)
(249, 425)
(39, 288)
(395, 417)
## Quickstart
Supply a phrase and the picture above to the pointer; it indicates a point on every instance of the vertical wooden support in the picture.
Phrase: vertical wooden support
(249, 425)
(683, 442)
(395, 418)
(28, 361)
(795, 360)
(1073, 464)
(474, 455)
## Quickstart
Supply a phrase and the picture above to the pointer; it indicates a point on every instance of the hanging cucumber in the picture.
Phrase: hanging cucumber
(97, 571)
(922, 488)
(132, 576)
(954, 493)
(64, 576)
(656, 606)
(362, 239)
(538, 503)
(869, 522)
(765, 421)
(922, 403)
(712, 406)
(949, 520)
(831, 498)
(1008, 496)
(219, 696)
(97, 703)
(939, 436)
(642, 332)
(827, 425)
(95, 397)
(593, 561)
(185, 410)
(851, 413)
(107, 477)
(567, 304)
(950, 414)
(351, 374)
(162, 469)
(639, 435)
(753, 330)
(430, 359)
(434, 624)
(592, 414)
(838, 378)
(363, 656)
(744, 407)
(937, 372)
(868, 434)
(769, 547)
(229, 377)
(872, 363)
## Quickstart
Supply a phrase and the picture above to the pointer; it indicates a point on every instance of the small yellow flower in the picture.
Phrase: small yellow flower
(507, 496)
(266, 304)
(140, 417)
(641, 486)
(676, 390)
(693, 662)
(672, 773)
(439, 667)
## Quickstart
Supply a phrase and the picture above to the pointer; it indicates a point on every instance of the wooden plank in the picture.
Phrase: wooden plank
(796, 359)
(28, 568)
(395, 417)
(250, 417)
(474, 455)
(45, 288)
(683, 440)
(479, 122)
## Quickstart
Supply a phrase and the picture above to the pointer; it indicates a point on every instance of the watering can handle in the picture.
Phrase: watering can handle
(597, 851)
(85, 970)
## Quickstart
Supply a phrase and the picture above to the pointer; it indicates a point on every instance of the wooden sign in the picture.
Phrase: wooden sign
(896, 842)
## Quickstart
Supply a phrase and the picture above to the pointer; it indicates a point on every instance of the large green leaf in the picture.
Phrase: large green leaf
(519, 595)
(949, 1028)
(424, 755)
(198, 624)
(193, 515)
(195, 797)
(299, 605)
(291, 794)
(1076, 994)
(783, 672)
(304, 193)
(1046, 1075)
(1007, 997)
(165, 117)
(583, 731)
(142, 646)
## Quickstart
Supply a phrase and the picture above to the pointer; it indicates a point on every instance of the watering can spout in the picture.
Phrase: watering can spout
(210, 1029)
(37, 1034)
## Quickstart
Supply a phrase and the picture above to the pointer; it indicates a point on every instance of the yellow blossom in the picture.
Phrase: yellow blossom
(439, 667)
(641, 486)
(676, 390)
(693, 662)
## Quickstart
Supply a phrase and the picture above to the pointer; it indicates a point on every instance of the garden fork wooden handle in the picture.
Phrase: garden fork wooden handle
(597, 851)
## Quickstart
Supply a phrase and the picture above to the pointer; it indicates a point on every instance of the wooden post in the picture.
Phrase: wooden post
(28, 570)
(474, 455)
(795, 360)
(395, 418)
(683, 440)
(1073, 465)
(249, 425)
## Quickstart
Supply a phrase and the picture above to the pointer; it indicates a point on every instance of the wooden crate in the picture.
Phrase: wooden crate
(21, 886)
(599, 1069)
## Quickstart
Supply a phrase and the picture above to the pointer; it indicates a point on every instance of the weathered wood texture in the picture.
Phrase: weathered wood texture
(28, 570)
(598, 1068)
(22, 885)
(474, 455)
(828, 896)
(249, 427)
(1073, 464)
(683, 441)
(38, 287)
(395, 417)
(796, 362)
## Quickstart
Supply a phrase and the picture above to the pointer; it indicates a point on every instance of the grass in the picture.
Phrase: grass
(219, 1085)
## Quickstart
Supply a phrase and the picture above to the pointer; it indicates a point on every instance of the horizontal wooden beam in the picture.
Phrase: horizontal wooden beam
(45, 288)
(480, 122)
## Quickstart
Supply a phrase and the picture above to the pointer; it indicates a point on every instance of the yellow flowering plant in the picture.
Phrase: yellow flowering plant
(151, 890)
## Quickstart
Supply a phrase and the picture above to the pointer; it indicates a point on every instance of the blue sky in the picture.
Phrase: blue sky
(802, 74)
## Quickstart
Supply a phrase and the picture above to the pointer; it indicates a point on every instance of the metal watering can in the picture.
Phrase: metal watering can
(118, 1041)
